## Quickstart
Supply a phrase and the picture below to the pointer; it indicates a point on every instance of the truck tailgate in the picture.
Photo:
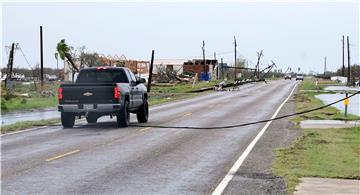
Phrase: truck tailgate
(88, 94)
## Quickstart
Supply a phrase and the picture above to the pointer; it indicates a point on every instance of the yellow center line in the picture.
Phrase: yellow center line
(188, 114)
(144, 129)
(62, 155)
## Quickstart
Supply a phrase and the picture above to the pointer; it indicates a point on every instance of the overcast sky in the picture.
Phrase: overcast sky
(291, 34)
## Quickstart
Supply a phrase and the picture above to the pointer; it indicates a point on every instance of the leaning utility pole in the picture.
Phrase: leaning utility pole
(10, 64)
(235, 45)
(324, 67)
(41, 59)
(150, 71)
(203, 50)
(343, 56)
(257, 63)
(348, 51)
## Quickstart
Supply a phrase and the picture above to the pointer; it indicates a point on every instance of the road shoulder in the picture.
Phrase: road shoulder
(255, 175)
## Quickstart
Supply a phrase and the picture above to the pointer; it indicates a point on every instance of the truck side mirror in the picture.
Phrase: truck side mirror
(133, 83)
(142, 80)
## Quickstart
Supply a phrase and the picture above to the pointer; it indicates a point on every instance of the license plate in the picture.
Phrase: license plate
(88, 106)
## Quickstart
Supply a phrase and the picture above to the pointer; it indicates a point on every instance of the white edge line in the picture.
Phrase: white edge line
(223, 184)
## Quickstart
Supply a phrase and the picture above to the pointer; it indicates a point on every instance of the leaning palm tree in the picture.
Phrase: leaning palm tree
(63, 49)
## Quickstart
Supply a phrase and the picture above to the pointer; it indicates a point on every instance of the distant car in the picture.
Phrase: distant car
(287, 76)
(300, 77)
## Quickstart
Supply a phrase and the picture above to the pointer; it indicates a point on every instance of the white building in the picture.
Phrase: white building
(339, 79)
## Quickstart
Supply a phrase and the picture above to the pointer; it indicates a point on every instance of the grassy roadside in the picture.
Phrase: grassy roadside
(34, 98)
(331, 153)
(27, 124)
(23, 104)
(306, 100)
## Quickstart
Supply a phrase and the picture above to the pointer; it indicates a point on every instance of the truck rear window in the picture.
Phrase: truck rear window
(102, 76)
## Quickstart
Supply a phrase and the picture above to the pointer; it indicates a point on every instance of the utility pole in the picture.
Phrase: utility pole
(257, 63)
(214, 55)
(10, 64)
(222, 69)
(41, 59)
(348, 51)
(203, 50)
(150, 71)
(324, 67)
(343, 56)
(235, 45)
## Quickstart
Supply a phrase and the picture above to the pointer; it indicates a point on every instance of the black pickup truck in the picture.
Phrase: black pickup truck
(103, 91)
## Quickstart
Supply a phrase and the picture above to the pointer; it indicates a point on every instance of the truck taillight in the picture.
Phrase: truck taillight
(60, 95)
(116, 93)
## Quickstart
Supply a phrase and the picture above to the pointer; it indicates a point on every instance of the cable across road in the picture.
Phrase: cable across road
(246, 124)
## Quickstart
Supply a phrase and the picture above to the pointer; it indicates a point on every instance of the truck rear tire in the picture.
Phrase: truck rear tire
(91, 118)
(67, 120)
(143, 112)
(123, 117)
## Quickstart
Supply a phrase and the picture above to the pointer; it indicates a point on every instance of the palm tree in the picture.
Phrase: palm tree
(63, 49)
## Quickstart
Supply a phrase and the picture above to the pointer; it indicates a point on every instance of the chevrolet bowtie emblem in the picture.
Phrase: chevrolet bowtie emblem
(87, 94)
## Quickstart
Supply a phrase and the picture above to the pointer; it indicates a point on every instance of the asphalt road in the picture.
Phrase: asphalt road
(102, 159)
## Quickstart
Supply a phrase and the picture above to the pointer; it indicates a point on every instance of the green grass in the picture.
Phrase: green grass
(310, 85)
(36, 100)
(330, 153)
(307, 100)
(27, 124)
(17, 103)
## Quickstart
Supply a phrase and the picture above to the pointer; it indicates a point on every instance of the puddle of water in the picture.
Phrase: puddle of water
(342, 88)
(354, 102)
(11, 118)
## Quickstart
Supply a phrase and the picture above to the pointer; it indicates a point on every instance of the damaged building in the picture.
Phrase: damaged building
(197, 66)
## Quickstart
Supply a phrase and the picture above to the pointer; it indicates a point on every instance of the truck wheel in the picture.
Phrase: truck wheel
(123, 117)
(91, 118)
(143, 112)
(67, 120)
